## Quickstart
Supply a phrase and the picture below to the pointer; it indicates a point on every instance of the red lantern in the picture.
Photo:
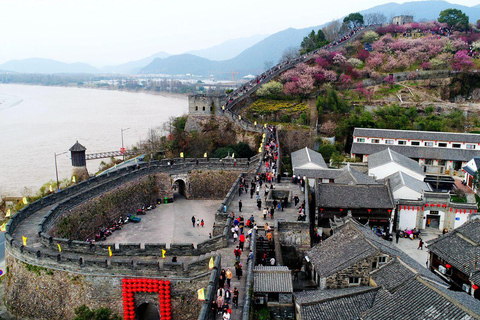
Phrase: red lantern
(369, 210)
(438, 205)
(389, 210)
(474, 287)
(426, 204)
(341, 210)
(448, 266)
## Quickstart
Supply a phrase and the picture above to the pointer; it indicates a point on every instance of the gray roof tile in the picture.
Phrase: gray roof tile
(417, 152)
(371, 196)
(417, 135)
(339, 304)
(307, 158)
(392, 275)
(460, 247)
(400, 179)
(272, 279)
(388, 155)
(419, 299)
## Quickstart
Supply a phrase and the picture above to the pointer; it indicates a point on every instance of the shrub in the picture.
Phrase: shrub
(354, 62)
(370, 36)
(272, 88)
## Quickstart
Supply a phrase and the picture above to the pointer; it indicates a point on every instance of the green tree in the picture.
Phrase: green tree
(454, 18)
(353, 20)
(313, 41)
(327, 151)
(337, 159)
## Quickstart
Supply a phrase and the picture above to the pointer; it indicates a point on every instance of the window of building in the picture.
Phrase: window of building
(375, 141)
(203, 108)
(211, 108)
(428, 143)
(429, 161)
(360, 139)
(388, 141)
(402, 142)
(354, 281)
(442, 162)
(415, 143)
(196, 108)
(374, 265)
(456, 145)
(382, 260)
(470, 146)
(442, 144)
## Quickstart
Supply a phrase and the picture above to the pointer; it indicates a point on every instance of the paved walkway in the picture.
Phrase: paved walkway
(170, 223)
(410, 246)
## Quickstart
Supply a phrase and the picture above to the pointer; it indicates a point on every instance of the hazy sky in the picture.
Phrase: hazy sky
(103, 32)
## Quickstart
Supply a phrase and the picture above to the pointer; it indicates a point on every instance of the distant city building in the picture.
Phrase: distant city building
(403, 19)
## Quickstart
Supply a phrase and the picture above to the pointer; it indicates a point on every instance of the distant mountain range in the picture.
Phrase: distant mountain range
(228, 49)
(243, 56)
(133, 66)
(41, 65)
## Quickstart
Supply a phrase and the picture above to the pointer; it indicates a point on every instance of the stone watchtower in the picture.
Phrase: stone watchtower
(79, 162)
(206, 104)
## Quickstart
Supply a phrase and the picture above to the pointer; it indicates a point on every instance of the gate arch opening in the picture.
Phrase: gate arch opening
(180, 187)
(147, 311)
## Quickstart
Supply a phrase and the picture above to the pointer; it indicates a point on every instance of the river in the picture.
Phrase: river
(37, 121)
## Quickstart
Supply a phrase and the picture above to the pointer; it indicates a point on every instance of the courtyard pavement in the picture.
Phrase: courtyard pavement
(170, 223)
(410, 246)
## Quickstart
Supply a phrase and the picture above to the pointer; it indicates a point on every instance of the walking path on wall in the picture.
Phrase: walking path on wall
(249, 208)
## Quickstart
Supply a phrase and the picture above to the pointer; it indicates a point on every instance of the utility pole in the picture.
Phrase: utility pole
(56, 168)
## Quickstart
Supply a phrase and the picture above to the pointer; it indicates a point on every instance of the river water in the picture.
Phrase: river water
(36, 122)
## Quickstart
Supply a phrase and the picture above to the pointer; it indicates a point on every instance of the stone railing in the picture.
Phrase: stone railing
(102, 264)
(210, 290)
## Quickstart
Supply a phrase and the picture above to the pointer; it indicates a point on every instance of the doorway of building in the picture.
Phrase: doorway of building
(433, 221)
(147, 311)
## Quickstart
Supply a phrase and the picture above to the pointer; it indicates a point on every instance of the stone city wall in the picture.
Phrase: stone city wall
(36, 292)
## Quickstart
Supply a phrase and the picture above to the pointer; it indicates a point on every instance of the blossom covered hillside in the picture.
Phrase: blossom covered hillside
(411, 47)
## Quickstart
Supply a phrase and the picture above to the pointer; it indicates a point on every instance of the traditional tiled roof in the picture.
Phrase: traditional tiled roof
(415, 152)
(352, 176)
(417, 135)
(460, 247)
(340, 251)
(388, 156)
(420, 299)
(392, 275)
(341, 304)
(307, 159)
(400, 179)
(77, 147)
(272, 279)
(371, 196)
(352, 242)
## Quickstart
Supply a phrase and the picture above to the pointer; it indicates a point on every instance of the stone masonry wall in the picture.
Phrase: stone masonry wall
(39, 293)
(210, 184)
(360, 269)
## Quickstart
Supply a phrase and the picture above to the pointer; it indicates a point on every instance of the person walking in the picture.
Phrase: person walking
(397, 236)
(202, 223)
(240, 206)
(229, 275)
(420, 245)
(266, 227)
(235, 297)
(193, 221)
